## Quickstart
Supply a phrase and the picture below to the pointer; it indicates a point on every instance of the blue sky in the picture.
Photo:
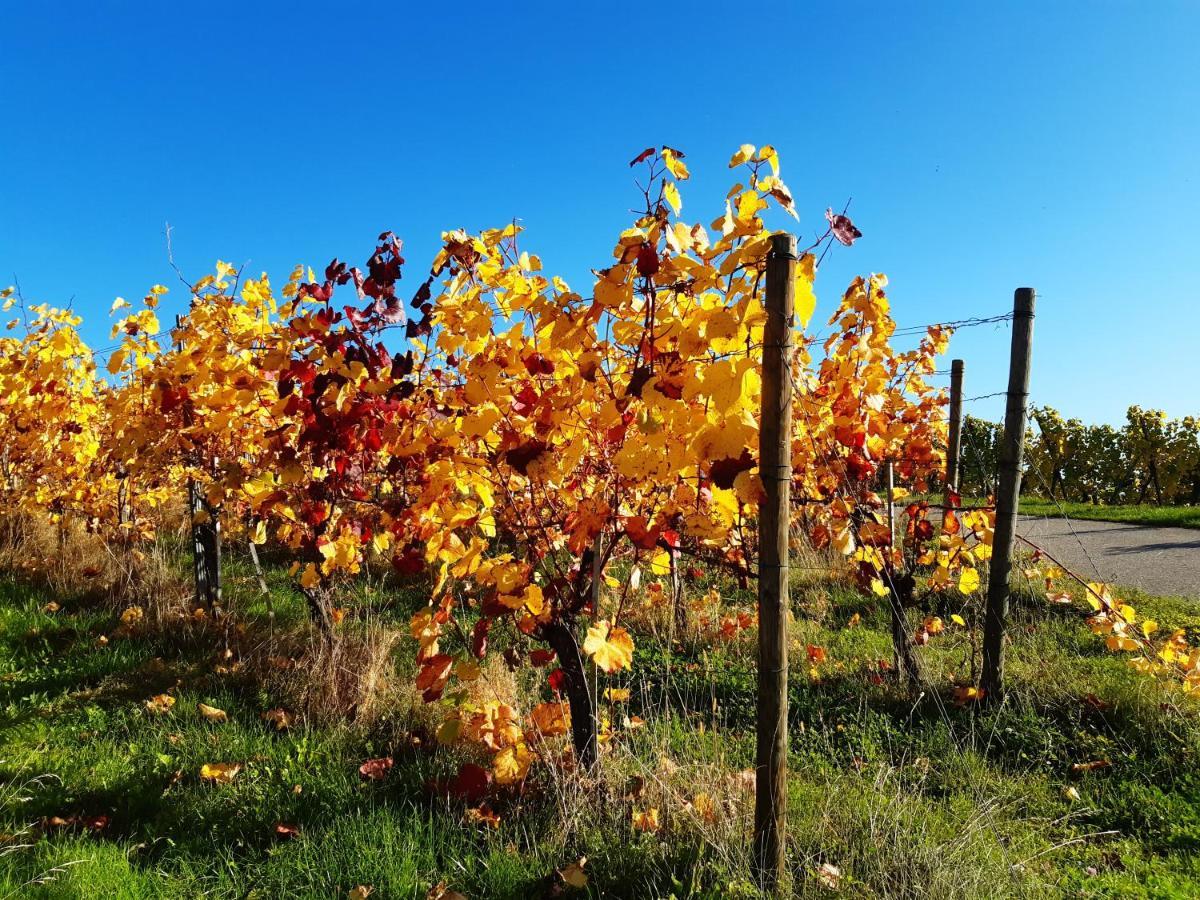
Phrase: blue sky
(986, 146)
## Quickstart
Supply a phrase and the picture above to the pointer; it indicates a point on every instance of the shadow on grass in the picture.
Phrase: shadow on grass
(850, 714)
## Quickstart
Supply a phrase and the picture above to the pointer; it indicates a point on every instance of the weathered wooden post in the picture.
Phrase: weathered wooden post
(1008, 490)
(954, 447)
(775, 466)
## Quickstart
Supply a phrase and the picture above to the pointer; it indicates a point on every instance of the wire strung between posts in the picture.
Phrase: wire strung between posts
(823, 454)
(985, 396)
(1036, 473)
(1062, 513)
(985, 476)
(957, 324)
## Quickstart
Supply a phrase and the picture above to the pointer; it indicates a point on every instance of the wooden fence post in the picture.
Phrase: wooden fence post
(775, 467)
(954, 448)
(1007, 494)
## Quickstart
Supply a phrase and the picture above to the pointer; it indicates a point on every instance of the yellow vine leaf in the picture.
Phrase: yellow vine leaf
(512, 763)
(610, 648)
(671, 192)
(646, 819)
(968, 581)
(660, 564)
(744, 153)
(806, 299)
(550, 719)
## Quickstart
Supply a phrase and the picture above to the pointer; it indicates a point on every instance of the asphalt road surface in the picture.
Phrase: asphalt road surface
(1163, 561)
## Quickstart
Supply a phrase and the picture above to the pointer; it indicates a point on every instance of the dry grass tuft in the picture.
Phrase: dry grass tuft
(350, 678)
(70, 561)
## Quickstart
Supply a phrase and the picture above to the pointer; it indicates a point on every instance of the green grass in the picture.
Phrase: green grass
(908, 798)
(1143, 514)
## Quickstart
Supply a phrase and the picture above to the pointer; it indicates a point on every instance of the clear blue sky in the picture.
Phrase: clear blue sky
(986, 146)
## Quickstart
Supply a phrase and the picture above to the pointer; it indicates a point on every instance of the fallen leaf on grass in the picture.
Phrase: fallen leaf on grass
(220, 773)
(574, 874)
(965, 694)
(284, 830)
(646, 820)
(1092, 766)
(160, 704)
(440, 891)
(212, 713)
(362, 892)
(829, 875)
(280, 718)
(705, 808)
(483, 815)
(376, 769)
(92, 823)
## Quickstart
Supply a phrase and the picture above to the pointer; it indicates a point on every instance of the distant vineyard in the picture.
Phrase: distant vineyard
(1151, 459)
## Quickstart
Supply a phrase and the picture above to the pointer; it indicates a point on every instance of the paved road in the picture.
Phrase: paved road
(1156, 560)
